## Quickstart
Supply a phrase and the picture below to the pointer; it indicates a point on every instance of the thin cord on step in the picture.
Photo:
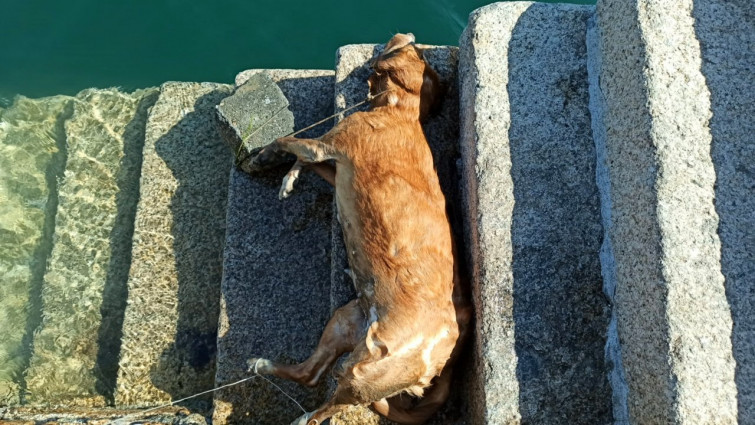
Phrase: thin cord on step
(292, 134)
(121, 420)
(276, 386)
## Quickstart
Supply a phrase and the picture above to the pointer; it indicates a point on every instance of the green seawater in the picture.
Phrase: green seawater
(62, 47)
(62, 156)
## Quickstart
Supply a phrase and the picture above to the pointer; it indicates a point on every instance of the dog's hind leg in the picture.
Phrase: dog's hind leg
(344, 330)
(396, 410)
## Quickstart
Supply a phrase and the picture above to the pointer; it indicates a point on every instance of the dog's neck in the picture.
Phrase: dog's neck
(400, 101)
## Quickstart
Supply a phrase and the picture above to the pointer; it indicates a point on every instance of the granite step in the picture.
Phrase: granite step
(70, 362)
(442, 130)
(32, 157)
(672, 115)
(173, 286)
(275, 287)
(533, 222)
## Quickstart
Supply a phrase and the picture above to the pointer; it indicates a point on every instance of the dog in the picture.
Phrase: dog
(406, 326)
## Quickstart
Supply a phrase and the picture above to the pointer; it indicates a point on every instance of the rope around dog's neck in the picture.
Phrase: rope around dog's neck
(121, 420)
(292, 134)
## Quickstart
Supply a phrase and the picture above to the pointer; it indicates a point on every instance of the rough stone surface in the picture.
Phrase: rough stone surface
(275, 289)
(170, 325)
(171, 415)
(726, 32)
(304, 90)
(256, 110)
(32, 156)
(616, 372)
(533, 218)
(70, 363)
(673, 318)
(442, 130)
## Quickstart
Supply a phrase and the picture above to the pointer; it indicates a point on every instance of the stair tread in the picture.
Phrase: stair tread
(88, 231)
(276, 266)
(31, 158)
(169, 328)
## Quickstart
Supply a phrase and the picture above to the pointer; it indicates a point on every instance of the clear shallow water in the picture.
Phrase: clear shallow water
(63, 47)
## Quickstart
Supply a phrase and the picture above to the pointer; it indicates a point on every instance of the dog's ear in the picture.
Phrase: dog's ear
(397, 42)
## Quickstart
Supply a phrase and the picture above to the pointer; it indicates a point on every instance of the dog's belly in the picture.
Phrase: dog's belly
(397, 238)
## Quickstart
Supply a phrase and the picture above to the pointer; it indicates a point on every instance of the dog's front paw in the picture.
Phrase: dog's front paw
(267, 157)
(288, 181)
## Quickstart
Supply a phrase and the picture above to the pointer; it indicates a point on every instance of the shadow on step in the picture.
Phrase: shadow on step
(722, 30)
(115, 290)
(199, 161)
(560, 313)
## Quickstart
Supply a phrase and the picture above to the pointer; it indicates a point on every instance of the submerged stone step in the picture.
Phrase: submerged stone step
(32, 156)
(442, 131)
(533, 223)
(170, 324)
(673, 88)
(275, 289)
(76, 344)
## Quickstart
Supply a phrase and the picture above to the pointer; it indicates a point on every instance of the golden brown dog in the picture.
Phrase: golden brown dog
(404, 329)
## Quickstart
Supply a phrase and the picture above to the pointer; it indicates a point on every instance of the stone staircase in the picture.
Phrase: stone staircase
(599, 163)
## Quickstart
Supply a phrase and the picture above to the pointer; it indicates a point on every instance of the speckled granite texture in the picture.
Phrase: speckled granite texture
(533, 217)
(726, 32)
(275, 289)
(72, 361)
(673, 317)
(170, 325)
(442, 131)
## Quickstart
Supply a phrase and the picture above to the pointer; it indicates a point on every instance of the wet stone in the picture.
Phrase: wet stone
(73, 362)
(32, 156)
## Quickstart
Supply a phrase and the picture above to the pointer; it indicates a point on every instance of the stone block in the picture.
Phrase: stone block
(74, 351)
(442, 130)
(32, 157)
(276, 286)
(533, 223)
(170, 325)
(659, 185)
(726, 32)
(256, 110)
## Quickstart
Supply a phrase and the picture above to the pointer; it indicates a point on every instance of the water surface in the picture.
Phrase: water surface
(63, 47)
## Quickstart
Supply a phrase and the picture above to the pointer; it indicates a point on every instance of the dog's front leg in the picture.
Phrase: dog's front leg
(307, 151)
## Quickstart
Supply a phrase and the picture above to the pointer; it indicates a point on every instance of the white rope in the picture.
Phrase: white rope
(120, 420)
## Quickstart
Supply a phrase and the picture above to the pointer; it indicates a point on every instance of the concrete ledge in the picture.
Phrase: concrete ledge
(170, 325)
(533, 219)
(92, 239)
(275, 288)
(673, 318)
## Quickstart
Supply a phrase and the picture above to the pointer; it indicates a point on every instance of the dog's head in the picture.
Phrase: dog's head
(404, 76)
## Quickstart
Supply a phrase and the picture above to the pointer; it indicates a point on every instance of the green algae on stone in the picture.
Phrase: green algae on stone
(104, 138)
(31, 136)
